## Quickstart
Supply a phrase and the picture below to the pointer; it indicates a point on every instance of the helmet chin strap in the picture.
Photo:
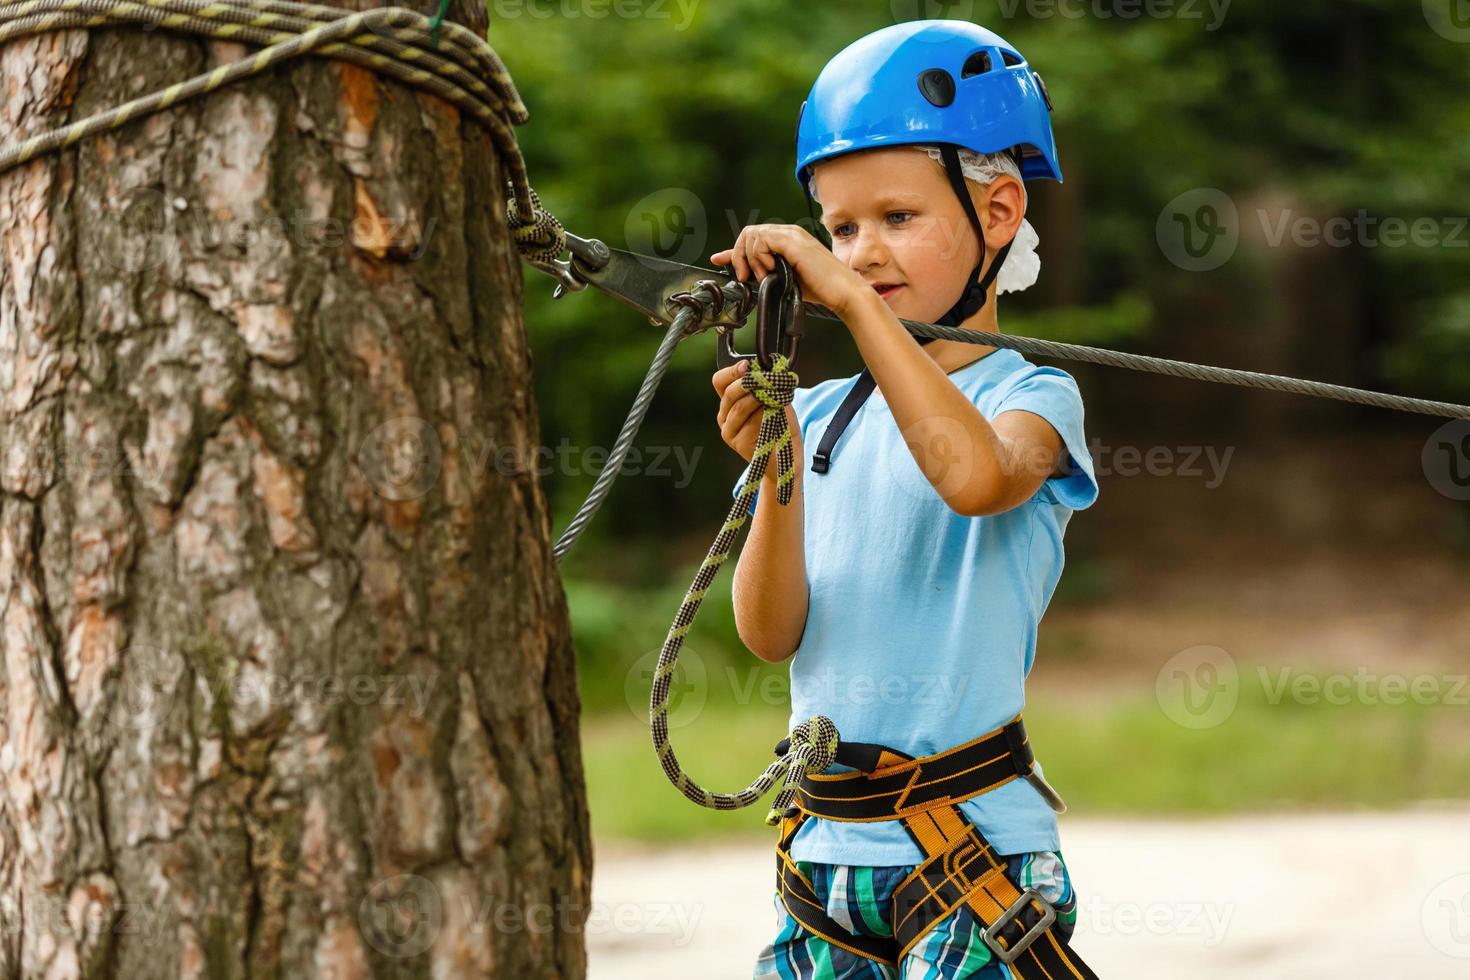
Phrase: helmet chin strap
(977, 290)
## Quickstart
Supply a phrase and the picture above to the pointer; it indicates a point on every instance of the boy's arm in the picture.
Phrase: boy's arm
(977, 467)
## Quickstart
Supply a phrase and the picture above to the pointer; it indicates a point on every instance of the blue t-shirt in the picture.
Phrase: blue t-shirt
(921, 622)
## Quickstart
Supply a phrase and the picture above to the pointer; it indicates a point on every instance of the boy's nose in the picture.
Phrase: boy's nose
(868, 250)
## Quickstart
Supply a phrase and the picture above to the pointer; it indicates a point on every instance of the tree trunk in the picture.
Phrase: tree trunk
(286, 682)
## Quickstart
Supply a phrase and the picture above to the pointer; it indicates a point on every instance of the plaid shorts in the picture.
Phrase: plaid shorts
(859, 898)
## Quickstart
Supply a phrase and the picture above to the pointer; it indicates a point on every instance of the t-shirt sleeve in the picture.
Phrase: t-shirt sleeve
(1053, 394)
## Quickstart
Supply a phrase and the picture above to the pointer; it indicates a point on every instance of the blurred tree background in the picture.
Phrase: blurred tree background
(664, 127)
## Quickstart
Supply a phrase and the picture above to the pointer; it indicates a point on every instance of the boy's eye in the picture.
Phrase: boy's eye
(893, 218)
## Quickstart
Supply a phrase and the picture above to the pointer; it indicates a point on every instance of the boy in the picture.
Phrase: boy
(934, 507)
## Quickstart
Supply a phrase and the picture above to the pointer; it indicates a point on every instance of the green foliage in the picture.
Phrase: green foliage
(1339, 107)
(661, 136)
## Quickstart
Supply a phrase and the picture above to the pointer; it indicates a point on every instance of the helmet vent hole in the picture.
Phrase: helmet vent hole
(976, 64)
(1010, 58)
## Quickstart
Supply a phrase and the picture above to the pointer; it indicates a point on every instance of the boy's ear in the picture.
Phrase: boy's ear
(1004, 208)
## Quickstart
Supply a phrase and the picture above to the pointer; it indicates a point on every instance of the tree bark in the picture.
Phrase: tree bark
(286, 681)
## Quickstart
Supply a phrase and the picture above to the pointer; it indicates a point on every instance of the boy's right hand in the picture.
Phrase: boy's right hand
(739, 416)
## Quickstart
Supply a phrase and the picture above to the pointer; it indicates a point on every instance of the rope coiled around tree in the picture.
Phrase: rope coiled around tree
(460, 66)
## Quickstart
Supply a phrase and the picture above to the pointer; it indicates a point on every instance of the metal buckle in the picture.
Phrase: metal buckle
(779, 321)
(992, 931)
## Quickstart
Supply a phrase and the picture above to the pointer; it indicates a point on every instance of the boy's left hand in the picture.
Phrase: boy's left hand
(822, 278)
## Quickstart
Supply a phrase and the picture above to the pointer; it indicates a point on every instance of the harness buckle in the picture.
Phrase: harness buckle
(1009, 954)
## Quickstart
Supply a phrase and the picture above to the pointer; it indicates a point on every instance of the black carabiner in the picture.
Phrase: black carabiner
(779, 321)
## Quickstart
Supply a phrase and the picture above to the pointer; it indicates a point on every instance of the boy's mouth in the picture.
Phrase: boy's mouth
(887, 289)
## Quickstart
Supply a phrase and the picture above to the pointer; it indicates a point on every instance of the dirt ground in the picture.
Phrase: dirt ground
(1285, 897)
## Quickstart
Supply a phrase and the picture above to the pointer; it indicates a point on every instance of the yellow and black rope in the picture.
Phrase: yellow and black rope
(813, 742)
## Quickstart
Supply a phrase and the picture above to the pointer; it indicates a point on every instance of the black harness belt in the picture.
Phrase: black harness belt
(960, 865)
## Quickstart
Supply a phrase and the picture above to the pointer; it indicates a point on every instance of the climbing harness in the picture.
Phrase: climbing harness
(453, 62)
(960, 867)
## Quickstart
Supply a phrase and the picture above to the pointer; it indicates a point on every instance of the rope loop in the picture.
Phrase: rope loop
(774, 388)
(539, 239)
(813, 748)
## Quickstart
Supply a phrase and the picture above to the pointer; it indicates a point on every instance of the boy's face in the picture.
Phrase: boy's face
(895, 220)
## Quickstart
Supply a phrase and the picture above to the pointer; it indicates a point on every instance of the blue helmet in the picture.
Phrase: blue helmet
(928, 81)
(948, 83)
